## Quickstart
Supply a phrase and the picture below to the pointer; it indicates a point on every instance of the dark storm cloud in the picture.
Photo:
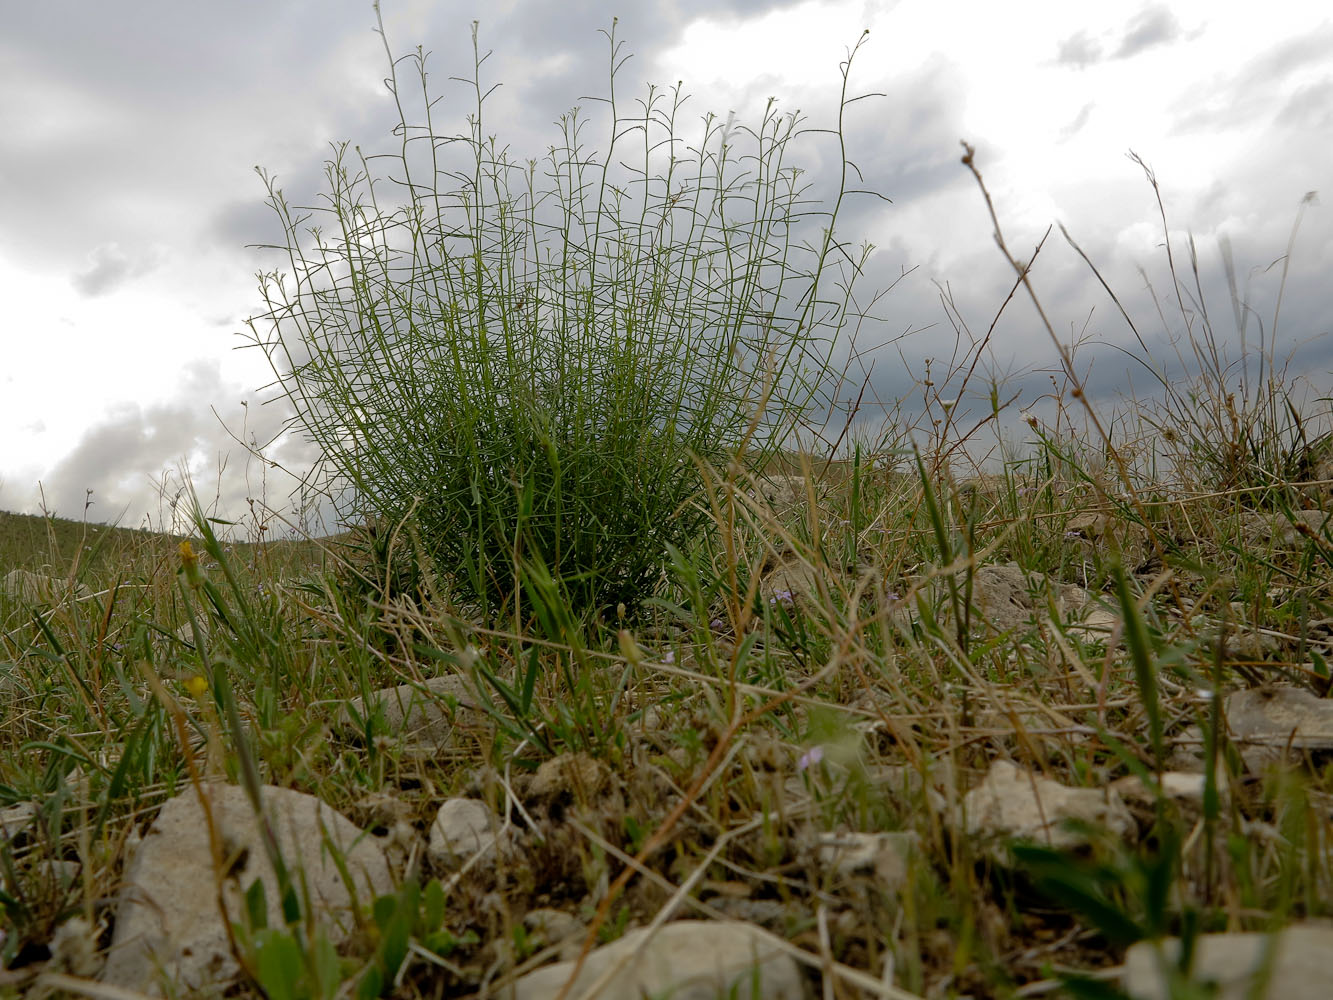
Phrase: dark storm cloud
(135, 449)
(1108, 355)
(1079, 51)
(135, 441)
(539, 61)
(522, 37)
(1293, 339)
(110, 267)
(244, 224)
(175, 137)
(1080, 120)
(102, 144)
(906, 145)
(1151, 27)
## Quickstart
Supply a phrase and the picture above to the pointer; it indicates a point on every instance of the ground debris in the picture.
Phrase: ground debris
(1015, 804)
(1290, 965)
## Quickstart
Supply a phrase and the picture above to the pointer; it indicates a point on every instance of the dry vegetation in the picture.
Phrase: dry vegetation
(843, 648)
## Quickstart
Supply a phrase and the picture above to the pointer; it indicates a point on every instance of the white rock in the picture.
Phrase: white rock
(1002, 597)
(38, 588)
(1017, 723)
(418, 713)
(462, 828)
(1302, 958)
(1004, 594)
(548, 927)
(14, 819)
(168, 922)
(783, 492)
(1269, 724)
(686, 960)
(1276, 716)
(1278, 529)
(1183, 786)
(793, 581)
(571, 777)
(1011, 803)
(1095, 623)
(185, 633)
(57, 872)
(74, 949)
(886, 856)
(908, 784)
(984, 488)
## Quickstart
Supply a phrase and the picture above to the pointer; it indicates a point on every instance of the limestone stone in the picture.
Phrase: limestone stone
(548, 927)
(418, 714)
(1260, 528)
(685, 960)
(38, 588)
(1268, 722)
(887, 857)
(185, 633)
(168, 924)
(1281, 716)
(1186, 787)
(463, 828)
(1016, 804)
(1004, 595)
(571, 777)
(1300, 958)
(783, 493)
(14, 819)
(791, 581)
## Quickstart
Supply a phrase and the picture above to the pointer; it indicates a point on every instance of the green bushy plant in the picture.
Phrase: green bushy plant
(539, 374)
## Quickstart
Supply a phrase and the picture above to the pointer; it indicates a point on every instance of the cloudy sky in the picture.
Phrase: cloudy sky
(130, 133)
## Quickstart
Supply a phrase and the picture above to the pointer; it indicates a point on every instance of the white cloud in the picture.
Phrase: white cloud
(110, 266)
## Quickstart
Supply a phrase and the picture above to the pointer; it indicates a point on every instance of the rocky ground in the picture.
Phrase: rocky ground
(874, 773)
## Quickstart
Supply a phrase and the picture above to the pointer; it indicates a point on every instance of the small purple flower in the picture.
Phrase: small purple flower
(892, 596)
(670, 656)
(781, 595)
(810, 758)
(717, 624)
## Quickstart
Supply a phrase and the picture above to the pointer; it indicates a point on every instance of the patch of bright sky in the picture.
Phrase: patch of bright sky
(1018, 97)
(86, 341)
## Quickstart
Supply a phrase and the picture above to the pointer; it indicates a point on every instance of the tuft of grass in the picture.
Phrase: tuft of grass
(1235, 423)
(534, 374)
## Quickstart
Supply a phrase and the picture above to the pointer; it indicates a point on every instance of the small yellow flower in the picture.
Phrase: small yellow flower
(629, 649)
(190, 563)
(197, 685)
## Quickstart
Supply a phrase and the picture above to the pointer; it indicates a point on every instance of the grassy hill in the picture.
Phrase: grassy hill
(96, 553)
